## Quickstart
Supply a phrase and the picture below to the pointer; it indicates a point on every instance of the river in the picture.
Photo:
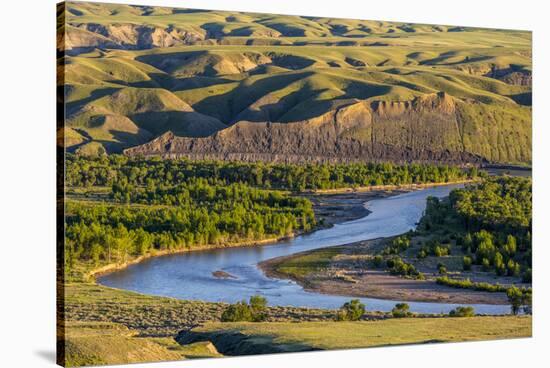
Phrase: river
(189, 275)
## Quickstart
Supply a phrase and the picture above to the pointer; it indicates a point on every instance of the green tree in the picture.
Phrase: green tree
(518, 299)
(258, 308)
(351, 311)
(237, 312)
(462, 312)
(401, 310)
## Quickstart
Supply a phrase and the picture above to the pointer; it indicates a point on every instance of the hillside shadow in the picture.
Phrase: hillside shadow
(168, 62)
(194, 82)
(73, 106)
(243, 96)
(181, 123)
(525, 99)
(235, 343)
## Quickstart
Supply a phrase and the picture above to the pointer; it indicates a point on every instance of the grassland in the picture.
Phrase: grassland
(98, 343)
(204, 71)
(110, 326)
(346, 335)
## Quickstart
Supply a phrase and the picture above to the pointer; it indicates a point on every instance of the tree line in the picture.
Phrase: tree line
(138, 220)
(85, 171)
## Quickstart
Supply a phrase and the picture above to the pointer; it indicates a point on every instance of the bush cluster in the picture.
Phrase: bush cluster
(462, 312)
(401, 310)
(253, 311)
(351, 311)
(399, 267)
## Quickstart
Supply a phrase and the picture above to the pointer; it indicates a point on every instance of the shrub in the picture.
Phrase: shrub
(237, 312)
(436, 249)
(398, 267)
(500, 267)
(351, 311)
(467, 243)
(512, 268)
(519, 298)
(467, 263)
(398, 245)
(468, 284)
(462, 312)
(258, 308)
(401, 310)
(485, 264)
(441, 269)
(422, 254)
(242, 311)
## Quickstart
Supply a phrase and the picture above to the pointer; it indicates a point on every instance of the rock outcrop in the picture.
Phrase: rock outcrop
(126, 36)
(425, 129)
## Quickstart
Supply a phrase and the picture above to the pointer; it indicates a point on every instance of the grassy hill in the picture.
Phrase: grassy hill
(132, 73)
(100, 343)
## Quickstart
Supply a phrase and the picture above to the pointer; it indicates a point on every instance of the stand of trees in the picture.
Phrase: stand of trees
(153, 204)
(491, 221)
(152, 172)
(253, 311)
(137, 220)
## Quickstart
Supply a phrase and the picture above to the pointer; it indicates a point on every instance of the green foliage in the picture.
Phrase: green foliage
(254, 311)
(490, 219)
(351, 311)
(258, 307)
(434, 248)
(422, 253)
(397, 245)
(399, 267)
(237, 312)
(499, 203)
(462, 312)
(466, 263)
(128, 174)
(468, 284)
(519, 299)
(441, 269)
(153, 205)
(401, 310)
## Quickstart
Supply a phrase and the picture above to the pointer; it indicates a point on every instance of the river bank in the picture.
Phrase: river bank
(330, 209)
(191, 275)
(399, 187)
(345, 271)
(113, 267)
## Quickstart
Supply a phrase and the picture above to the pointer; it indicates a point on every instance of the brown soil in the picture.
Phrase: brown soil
(350, 279)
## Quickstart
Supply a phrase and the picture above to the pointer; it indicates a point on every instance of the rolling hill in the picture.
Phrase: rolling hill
(214, 84)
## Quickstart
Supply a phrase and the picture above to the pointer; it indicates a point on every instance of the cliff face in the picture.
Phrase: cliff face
(125, 36)
(426, 129)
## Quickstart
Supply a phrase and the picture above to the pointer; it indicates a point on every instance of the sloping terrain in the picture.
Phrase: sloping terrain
(246, 86)
(264, 338)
